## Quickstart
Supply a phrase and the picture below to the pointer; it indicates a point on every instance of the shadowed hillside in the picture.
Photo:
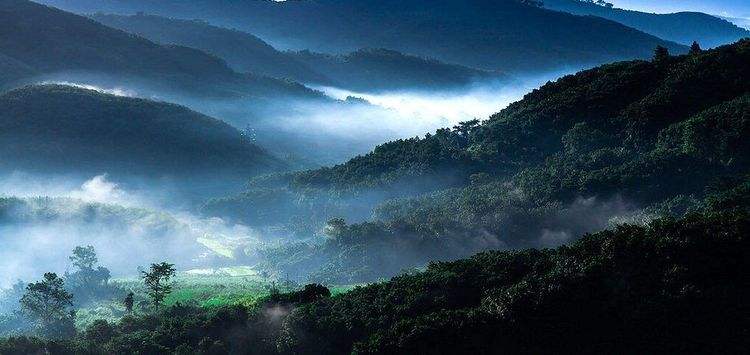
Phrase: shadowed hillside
(626, 140)
(503, 35)
(61, 129)
(41, 41)
(242, 51)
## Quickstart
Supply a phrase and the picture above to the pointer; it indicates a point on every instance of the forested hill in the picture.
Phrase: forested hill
(62, 129)
(42, 40)
(682, 27)
(637, 106)
(242, 51)
(378, 69)
(504, 35)
(619, 141)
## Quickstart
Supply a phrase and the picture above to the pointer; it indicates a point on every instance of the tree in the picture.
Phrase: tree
(48, 302)
(661, 54)
(157, 282)
(84, 258)
(128, 302)
(87, 281)
(695, 48)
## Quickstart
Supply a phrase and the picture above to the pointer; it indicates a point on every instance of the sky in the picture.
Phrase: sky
(728, 8)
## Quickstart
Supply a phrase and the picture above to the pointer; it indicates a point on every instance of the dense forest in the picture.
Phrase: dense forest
(626, 140)
(633, 289)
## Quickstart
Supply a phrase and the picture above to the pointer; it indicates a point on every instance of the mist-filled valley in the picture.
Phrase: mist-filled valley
(331, 176)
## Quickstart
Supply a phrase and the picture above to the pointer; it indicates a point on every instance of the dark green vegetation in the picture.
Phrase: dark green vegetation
(40, 41)
(503, 35)
(630, 140)
(363, 70)
(69, 130)
(670, 286)
(683, 27)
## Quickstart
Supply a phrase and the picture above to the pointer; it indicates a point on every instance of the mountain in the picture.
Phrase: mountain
(504, 35)
(681, 27)
(63, 129)
(242, 51)
(383, 69)
(362, 70)
(624, 141)
(44, 41)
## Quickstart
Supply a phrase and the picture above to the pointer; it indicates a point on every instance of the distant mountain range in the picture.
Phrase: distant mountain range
(363, 70)
(242, 51)
(40, 41)
(383, 69)
(504, 35)
(63, 129)
(682, 27)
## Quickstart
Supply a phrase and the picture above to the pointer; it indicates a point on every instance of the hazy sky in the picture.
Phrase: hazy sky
(731, 8)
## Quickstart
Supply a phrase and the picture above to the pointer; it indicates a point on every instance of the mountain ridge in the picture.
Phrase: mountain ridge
(491, 35)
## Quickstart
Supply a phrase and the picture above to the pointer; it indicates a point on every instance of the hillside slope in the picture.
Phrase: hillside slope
(383, 69)
(54, 42)
(242, 51)
(672, 286)
(362, 70)
(682, 27)
(628, 140)
(61, 129)
(500, 35)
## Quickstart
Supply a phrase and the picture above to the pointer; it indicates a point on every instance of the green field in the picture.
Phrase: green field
(200, 287)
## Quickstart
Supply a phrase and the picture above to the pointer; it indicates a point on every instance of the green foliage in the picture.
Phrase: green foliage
(617, 141)
(673, 285)
(157, 282)
(49, 304)
(88, 281)
(657, 285)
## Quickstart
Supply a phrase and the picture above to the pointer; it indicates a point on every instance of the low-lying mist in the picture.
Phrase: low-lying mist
(43, 218)
(135, 222)
(337, 126)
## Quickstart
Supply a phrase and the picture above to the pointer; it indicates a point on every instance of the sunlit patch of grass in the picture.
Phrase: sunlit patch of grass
(203, 287)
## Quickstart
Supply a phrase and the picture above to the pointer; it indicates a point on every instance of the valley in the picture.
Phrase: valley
(386, 177)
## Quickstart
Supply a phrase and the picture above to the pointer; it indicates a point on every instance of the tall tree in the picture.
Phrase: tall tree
(157, 282)
(88, 280)
(48, 303)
